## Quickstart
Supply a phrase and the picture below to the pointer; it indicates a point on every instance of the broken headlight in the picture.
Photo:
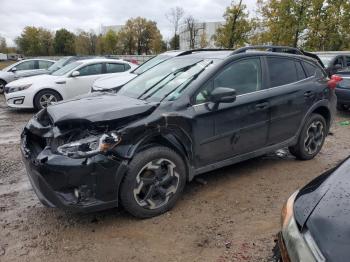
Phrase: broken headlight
(90, 146)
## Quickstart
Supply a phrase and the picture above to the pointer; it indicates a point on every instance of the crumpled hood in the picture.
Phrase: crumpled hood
(323, 207)
(38, 79)
(110, 82)
(98, 108)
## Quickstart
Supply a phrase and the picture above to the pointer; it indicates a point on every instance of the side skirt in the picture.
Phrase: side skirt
(240, 158)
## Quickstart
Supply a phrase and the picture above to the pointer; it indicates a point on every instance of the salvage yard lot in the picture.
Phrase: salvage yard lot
(4, 64)
(231, 214)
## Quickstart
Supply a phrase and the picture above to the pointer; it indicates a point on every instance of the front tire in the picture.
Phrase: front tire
(311, 138)
(153, 183)
(45, 98)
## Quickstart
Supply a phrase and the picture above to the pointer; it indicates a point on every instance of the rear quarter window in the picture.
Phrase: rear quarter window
(127, 67)
(313, 70)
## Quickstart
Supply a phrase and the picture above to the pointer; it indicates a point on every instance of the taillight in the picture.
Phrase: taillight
(333, 82)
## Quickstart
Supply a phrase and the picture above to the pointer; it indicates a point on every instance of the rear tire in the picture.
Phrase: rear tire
(311, 138)
(153, 183)
(2, 86)
(45, 97)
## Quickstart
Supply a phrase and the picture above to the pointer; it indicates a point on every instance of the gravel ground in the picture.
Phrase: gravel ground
(231, 214)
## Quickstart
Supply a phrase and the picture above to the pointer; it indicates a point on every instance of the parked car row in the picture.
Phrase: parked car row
(23, 68)
(143, 133)
(70, 81)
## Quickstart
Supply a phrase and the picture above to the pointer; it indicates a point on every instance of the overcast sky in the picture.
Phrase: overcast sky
(91, 14)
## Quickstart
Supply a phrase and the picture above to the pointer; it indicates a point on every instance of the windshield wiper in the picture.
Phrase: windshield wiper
(188, 81)
(182, 69)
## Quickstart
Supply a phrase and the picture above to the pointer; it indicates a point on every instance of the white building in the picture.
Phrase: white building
(114, 28)
(204, 35)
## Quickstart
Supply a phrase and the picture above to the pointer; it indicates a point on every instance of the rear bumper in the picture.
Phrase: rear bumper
(80, 185)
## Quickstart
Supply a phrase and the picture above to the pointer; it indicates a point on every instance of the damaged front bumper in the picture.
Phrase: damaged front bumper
(83, 185)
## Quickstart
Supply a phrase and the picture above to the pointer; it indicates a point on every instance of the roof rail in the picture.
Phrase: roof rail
(188, 52)
(279, 49)
(270, 48)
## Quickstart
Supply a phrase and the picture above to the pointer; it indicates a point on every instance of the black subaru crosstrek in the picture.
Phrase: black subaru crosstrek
(189, 115)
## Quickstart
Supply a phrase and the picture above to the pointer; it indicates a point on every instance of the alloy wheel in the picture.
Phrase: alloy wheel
(46, 100)
(314, 137)
(156, 183)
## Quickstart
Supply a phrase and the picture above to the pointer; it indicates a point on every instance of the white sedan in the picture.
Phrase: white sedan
(70, 81)
(23, 68)
(113, 83)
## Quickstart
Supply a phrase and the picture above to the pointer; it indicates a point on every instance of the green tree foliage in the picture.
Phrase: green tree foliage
(86, 43)
(45, 42)
(64, 42)
(141, 36)
(237, 27)
(35, 41)
(283, 22)
(174, 42)
(111, 42)
(29, 41)
(311, 24)
(328, 25)
(3, 45)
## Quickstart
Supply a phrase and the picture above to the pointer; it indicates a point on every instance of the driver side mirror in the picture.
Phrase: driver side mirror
(223, 95)
(75, 74)
(13, 69)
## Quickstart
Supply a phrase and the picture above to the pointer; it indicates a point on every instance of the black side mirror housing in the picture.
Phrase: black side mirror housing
(223, 95)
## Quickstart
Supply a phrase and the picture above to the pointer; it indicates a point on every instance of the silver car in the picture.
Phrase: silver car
(24, 68)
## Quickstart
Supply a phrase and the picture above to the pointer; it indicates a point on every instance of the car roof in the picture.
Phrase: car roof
(219, 54)
(98, 60)
(285, 55)
(37, 59)
(173, 52)
(223, 54)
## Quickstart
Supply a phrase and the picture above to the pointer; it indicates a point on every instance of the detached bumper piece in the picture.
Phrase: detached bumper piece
(82, 185)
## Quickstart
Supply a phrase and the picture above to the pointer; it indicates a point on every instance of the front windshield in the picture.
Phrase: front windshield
(64, 70)
(326, 59)
(151, 63)
(166, 81)
(58, 65)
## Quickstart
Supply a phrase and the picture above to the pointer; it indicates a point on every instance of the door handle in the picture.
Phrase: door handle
(308, 94)
(262, 106)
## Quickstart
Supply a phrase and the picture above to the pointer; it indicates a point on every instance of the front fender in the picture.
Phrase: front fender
(170, 136)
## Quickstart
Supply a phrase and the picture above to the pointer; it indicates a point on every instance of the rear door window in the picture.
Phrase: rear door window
(89, 70)
(114, 68)
(282, 71)
(44, 64)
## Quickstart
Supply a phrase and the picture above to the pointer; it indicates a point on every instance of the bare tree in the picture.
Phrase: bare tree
(192, 30)
(174, 16)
